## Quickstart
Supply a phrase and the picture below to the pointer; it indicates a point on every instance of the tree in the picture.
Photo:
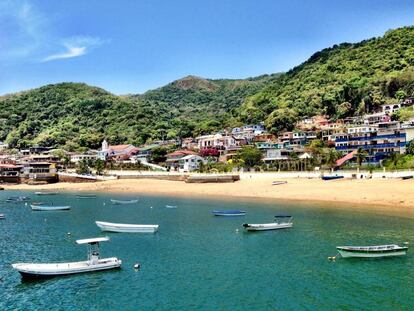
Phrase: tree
(283, 119)
(99, 166)
(410, 147)
(330, 157)
(360, 156)
(82, 168)
(250, 156)
(158, 155)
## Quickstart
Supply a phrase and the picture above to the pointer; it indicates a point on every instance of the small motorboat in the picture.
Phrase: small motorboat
(376, 251)
(93, 263)
(229, 213)
(281, 222)
(45, 193)
(123, 201)
(280, 182)
(114, 227)
(2, 216)
(41, 207)
(407, 177)
(86, 196)
(17, 199)
(332, 177)
(171, 206)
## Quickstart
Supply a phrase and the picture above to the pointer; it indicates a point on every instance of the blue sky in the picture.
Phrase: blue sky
(130, 46)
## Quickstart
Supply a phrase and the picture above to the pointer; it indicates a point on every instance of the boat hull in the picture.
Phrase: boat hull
(264, 227)
(126, 228)
(228, 213)
(123, 202)
(363, 253)
(49, 208)
(29, 270)
(331, 177)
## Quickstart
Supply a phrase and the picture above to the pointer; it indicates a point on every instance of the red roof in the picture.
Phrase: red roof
(119, 147)
(180, 153)
(349, 156)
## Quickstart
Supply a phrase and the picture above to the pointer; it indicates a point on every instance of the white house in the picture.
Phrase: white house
(3, 145)
(190, 163)
(77, 157)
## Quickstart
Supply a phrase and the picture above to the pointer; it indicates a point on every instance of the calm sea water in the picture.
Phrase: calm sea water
(200, 262)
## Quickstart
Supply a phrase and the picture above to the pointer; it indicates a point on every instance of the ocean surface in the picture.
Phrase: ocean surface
(197, 261)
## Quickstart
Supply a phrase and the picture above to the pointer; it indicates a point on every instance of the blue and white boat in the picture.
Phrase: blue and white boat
(332, 177)
(229, 213)
(41, 207)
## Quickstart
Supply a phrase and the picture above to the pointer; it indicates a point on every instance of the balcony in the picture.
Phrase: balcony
(367, 138)
(368, 147)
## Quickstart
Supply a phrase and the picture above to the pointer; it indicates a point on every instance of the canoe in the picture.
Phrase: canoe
(275, 183)
(114, 227)
(269, 226)
(332, 177)
(45, 193)
(375, 251)
(171, 206)
(229, 213)
(123, 201)
(49, 208)
(93, 263)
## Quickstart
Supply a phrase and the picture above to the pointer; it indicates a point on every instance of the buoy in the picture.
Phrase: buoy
(137, 266)
(151, 207)
(237, 230)
(68, 233)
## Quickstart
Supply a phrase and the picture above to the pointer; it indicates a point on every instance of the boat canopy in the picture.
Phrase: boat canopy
(93, 240)
(283, 216)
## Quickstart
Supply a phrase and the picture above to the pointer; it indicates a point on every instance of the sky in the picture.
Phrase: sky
(131, 46)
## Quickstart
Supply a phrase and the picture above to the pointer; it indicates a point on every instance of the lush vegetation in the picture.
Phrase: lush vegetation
(77, 116)
(345, 80)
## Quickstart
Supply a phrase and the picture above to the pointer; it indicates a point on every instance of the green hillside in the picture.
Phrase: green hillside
(345, 80)
(75, 115)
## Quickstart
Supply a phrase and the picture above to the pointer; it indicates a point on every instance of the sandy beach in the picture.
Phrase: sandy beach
(386, 195)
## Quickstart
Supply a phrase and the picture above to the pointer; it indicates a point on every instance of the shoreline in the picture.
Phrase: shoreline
(387, 196)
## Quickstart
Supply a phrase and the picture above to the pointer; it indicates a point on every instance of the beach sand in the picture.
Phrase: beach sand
(386, 195)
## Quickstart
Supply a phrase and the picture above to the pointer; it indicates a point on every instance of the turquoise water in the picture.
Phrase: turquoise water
(199, 262)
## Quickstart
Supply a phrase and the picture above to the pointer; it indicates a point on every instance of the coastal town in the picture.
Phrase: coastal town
(315, 143)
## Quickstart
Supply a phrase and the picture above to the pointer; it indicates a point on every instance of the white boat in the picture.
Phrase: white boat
(171, 206)
(93, 263)
(375, 251)
(114, 227)
(38, 207)
(281, 222)
(123, 201)
(2, 216)
(45, 193)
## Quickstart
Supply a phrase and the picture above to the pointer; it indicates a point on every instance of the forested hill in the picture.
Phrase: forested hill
(340, 81)
(75, 115)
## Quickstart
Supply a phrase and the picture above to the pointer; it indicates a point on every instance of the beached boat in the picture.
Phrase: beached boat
(229, 213)
(375, 251)
(281, 182)
(332, 177)
(45, 193)
(93, 263)
(407, 177)
(171, 206)
(123, 201)
(114, 227)
(281, 222)
(86, 196)
(41, 207)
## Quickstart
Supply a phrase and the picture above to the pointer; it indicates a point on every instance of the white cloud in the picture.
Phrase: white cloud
(75, 47)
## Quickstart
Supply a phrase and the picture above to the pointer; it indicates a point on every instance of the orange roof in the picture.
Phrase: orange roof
(178, 153)
(119, 147)
(349, 156)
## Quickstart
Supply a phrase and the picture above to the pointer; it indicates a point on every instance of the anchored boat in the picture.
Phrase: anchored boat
(375, 251)
(45, 193)
(114, 227)
(171, 206)
(41, 207)
(281, 222)
(229, 213)
(2, 216)
(86, 196)
(93, 263)
(123, 201)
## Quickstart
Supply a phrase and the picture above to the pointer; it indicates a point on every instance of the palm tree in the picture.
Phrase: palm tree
(360, 156)
(330, 157)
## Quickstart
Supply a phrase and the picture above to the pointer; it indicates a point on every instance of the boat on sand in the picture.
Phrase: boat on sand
(41, 207)
(278, 182)
(281, 222)
(332, 177)
(132, 228)
(375, 251)
(93, 263)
